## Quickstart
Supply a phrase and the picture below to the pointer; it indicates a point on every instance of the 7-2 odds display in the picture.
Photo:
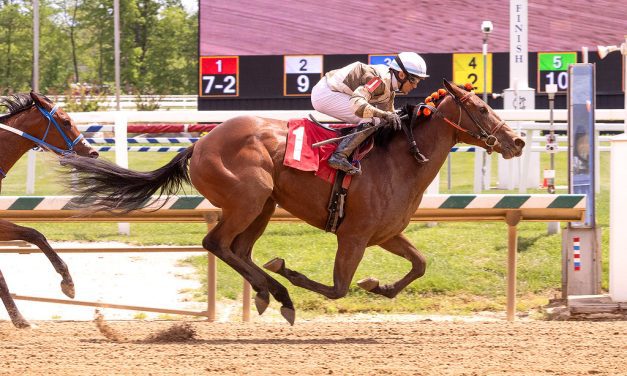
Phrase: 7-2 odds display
(218, 76)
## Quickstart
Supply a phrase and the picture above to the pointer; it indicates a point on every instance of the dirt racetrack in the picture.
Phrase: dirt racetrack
(320, 348)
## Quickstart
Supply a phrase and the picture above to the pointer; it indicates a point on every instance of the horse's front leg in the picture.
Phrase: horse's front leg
(16, 317)
(10, 231)
(349, 254)
(400, 246)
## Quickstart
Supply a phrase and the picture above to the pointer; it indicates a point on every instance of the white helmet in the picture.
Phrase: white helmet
(410, 63)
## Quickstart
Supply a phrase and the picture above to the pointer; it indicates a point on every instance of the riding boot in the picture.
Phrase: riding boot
(339, 158)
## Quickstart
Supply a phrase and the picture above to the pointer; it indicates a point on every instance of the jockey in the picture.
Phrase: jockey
(364, 94)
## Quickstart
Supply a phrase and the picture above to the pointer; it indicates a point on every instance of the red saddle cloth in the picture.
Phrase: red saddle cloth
(299, 154)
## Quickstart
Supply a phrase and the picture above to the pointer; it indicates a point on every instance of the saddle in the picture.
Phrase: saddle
(299, 154)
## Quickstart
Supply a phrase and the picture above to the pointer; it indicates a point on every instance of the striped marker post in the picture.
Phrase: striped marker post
(576, 254)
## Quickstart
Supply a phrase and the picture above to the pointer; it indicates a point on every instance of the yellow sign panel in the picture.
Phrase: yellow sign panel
(469, 68)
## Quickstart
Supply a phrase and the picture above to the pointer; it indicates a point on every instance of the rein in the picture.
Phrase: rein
(42, 141)
(489, 139)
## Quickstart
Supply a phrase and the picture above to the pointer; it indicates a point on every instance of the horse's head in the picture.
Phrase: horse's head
(53, 129)
(477, 123)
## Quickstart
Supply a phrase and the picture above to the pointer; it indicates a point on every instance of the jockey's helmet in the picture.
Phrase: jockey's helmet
(411, 64)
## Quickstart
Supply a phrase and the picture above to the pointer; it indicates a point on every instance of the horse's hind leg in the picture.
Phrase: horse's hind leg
(16, 317)
(10, 231)
(349, 253)
(235, 221)
(243, 246)
(400, 246)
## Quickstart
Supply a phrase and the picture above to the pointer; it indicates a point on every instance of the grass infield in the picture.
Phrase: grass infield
(466, 267)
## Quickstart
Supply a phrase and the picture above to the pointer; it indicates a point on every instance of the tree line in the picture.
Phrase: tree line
(158, 46)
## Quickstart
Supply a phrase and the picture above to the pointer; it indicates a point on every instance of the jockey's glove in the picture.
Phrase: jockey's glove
(392, 120)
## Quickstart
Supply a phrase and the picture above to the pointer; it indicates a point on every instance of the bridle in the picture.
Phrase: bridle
(488, 138)
(41, 142)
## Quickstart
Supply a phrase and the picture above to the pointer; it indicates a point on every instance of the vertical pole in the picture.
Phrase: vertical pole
(584, 55)
(116, 50)
(30, 172)
(552, 131)
(485, 67)
(36, 46)
(212, 271)
(623, 50)
(478, 176)
(121, 155)
(524, 162)
(552, 227)
(449, 182)
(485, 182)
(512, 218)
(618, 218)
(212, 274)
(246, 296)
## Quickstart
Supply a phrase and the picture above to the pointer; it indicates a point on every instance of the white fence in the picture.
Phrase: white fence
(130, 102)
(526, 122)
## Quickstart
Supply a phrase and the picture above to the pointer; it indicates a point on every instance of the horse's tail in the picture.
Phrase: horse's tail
(104, 186)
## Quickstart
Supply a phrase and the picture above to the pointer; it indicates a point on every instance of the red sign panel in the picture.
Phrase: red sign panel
(218, 65)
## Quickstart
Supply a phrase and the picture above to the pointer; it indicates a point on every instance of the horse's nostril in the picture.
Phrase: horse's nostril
(93, 154)
(519, 142)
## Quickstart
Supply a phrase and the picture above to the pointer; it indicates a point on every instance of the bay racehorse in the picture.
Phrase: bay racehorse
(33, 120)
(239, 167)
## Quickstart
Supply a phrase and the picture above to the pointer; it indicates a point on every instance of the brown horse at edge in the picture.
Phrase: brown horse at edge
(33, 120)
(239, 167)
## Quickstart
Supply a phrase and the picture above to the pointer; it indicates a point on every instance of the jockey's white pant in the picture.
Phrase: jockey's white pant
(334, 103)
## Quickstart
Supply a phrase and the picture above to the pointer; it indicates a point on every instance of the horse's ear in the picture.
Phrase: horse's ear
(37, 98)
(41, 100)
(451, 88)
(447, 84)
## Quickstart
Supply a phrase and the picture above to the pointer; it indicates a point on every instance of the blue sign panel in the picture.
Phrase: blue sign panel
(581, 105)
(380, 59)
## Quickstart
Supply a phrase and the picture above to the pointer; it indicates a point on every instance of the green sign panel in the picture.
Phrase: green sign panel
(553, 69)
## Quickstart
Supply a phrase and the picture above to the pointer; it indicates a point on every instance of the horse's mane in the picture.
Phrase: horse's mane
(383, 136)
(15, 103)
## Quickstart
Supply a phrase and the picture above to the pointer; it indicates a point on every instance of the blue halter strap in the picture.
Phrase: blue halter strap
(42, 141)
(69, 143)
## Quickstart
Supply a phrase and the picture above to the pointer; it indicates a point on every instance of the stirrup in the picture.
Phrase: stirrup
(339, 162)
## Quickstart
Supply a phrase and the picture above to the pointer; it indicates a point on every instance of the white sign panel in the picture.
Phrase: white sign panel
(518, 44)
(303, 64)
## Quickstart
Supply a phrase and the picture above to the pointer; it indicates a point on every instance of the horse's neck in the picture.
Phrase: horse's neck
(434, 139)
(12, 147)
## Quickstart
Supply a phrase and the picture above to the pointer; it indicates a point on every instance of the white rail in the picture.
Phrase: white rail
(526, 120)
(130, 102)
(188, 116)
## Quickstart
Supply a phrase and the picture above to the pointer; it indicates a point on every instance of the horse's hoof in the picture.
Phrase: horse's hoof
(22, 324)
(368, 284)
(261, 303)
(275, 265)
(289, 314)
(68, 288)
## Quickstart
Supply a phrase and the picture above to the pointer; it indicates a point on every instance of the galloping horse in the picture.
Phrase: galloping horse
(239, 167)
(33, 120)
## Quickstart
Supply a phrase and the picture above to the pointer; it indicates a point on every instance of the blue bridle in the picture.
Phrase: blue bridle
(42, 141)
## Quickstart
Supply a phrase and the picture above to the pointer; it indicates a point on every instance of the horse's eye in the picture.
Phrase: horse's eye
(483, 110)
